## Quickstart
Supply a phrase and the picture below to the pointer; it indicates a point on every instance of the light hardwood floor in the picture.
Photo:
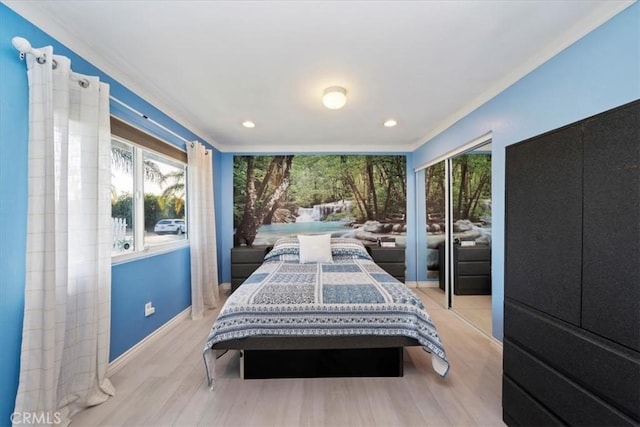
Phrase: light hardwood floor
(166, 386)
(474, 308)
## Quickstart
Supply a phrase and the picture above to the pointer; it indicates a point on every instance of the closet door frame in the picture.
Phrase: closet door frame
(447, 158)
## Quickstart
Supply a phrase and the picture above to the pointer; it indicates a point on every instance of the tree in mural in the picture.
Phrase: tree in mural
(261, 195)
(372, 179)
(471, 183)
(391, 178)
(435, 178)
(316, 180)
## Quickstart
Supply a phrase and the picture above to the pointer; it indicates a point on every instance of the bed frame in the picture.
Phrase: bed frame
(319, 357)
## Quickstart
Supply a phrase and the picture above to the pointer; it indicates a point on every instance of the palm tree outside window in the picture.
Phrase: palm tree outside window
(148, 199)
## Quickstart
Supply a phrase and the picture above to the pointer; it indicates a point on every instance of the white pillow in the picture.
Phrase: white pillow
(315, 248)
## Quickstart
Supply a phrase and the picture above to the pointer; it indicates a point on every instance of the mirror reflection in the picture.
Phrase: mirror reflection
(458, 226)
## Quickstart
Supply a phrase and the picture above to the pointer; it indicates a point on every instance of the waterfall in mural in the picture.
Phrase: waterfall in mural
(305, 215)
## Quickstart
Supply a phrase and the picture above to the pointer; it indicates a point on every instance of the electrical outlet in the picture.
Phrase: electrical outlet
(149, 309)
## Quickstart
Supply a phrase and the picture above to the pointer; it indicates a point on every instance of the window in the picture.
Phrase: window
(148, 193)
(122, 197)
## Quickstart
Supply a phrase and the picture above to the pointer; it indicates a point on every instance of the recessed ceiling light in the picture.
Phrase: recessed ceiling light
(248, 124)
(390, 123)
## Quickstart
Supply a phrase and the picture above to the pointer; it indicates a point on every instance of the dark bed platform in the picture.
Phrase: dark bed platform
(320, 357)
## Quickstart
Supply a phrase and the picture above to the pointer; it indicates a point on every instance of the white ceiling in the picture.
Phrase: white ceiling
(212, 64)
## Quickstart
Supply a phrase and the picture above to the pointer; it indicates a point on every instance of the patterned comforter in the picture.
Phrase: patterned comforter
(349, 296)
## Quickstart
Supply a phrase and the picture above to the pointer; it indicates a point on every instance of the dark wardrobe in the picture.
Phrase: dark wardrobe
(572, 274)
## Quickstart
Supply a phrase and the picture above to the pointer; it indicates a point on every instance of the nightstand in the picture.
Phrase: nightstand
(244, 261)
(391, 259)
(472, 269)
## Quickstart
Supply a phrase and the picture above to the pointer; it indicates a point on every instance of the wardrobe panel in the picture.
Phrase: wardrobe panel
(611, 242)
(606, 370)
(544, 223)
(569, 401)
(523, 410)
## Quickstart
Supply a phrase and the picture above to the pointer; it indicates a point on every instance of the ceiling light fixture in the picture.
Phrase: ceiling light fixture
(390, 123)
(334, 97)
(248, 124)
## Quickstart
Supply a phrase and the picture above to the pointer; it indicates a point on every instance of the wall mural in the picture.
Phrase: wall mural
(357, 196)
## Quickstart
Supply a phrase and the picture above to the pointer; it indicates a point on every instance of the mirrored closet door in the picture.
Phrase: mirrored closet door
(470, 213)
(458, 228)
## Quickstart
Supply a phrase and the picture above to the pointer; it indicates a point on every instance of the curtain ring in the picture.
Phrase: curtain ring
(54, 64)
(84, 83)
(42, 59)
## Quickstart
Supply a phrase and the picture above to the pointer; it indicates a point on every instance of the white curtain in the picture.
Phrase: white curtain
(65, 338)
(202, 232)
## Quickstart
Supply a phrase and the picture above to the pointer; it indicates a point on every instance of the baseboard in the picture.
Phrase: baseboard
(225, 286)
(429, 284)
(120, 361)
(495, 341)
(422, 284)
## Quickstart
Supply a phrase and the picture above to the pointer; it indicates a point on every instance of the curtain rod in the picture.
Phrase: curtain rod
(23, 46)
(144, 116)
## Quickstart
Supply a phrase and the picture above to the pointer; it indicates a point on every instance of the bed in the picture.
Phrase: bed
(322, 302)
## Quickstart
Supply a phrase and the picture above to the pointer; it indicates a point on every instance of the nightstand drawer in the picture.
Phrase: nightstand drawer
(473, 253)
(248, 255)
(473, 268)
(244, 261)
(394, 269)
(242, 271)
(394, 254)
(473, 285)
(390, 259)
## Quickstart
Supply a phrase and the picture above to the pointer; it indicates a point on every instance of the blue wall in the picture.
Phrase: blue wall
(595, 74)
(163, 279)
